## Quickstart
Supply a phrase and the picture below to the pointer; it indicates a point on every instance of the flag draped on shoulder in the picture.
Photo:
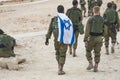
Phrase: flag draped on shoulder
(66, 32)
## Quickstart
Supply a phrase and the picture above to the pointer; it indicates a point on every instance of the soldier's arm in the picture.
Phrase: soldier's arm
(81, 17)
(105, 32)
(50, 30)
(118, 21)
(68, 12)
(87, 31)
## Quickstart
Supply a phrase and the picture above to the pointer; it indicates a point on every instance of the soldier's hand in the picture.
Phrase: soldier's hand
(47, 41)
(86, 43)
(118, 30)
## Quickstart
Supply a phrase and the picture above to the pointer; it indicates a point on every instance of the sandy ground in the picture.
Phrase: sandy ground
(41, 64)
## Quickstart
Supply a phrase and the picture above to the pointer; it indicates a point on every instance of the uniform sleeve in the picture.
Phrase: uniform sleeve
(50, 30)
(68, 12)
(87, 31)
(105, 31)
(118, 21)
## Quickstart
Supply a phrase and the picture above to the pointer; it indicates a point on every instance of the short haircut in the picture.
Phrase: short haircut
(96, 9)
(109, 5)
(60, 9)
(1, 31)
(74, 2)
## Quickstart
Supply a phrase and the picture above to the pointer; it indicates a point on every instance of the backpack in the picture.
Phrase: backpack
(110, 16)
(75, 15)
(97, 24)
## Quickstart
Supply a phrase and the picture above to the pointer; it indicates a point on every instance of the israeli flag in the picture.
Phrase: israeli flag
(66, 32)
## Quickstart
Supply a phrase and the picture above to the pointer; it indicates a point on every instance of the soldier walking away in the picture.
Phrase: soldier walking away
(75, 14)
(82, 4)
(111, 20)
(93, 38)
(91, 4)
(56, 26)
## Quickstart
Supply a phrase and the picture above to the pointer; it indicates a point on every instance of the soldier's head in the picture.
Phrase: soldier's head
(75, 3)
(60, 9)
(109, 5)
(1, 31)
(96, 10)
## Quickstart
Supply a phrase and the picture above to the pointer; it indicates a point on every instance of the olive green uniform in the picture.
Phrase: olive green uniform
(93, 36)
(75, 14)
(60, 48)
(82, 4)
(91, 4)
(7, 44)
(112, 21)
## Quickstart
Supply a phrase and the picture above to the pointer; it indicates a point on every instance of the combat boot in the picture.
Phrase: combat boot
(61, 72)
(112, 48)
(90, 66)
(107, 51)
(96, 67)
(74, 52)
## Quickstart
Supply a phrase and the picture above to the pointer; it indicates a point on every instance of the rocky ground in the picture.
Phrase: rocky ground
(32, 17)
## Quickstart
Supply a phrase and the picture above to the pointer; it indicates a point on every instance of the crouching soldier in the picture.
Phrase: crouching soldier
(7, 44)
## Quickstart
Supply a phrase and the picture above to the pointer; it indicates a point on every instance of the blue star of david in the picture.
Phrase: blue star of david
(67, 24)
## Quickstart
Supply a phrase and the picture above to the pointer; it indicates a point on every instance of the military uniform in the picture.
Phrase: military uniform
(60, 48)
(95, 29)
(82, 4)
(91, 4)
(75, 14)
(112, 21)
(7, 44)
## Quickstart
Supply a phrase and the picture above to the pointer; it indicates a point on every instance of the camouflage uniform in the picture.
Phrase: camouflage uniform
(60, 48)
(82, 4)
(91, 4)
(112, 21)
(7, 44)
(75, 14)
(99, 3)
(95, 29)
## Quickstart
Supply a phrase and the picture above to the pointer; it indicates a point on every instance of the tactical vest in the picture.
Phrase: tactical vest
(110, 16)
(74, 15)
(55, 26)
(97, 25)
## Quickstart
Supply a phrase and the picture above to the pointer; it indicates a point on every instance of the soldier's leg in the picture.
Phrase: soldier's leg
(97, 50)
(113, 41)
(89, 48)
(107, 44)
(84, 11)
(56, 45)
(76, 43)
(70, 49)
(62, 51)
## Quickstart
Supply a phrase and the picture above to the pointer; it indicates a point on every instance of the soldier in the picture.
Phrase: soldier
(111, 19)
(7, 44)
(82, 4)
(60, 46)
(91, 4)
(99, 3)
(95, 29)
(75, 14)
(114, 6)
